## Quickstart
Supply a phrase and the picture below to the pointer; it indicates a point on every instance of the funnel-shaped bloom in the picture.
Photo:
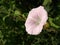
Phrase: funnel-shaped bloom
(36, 19)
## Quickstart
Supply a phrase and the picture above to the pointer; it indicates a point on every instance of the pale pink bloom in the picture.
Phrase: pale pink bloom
(36, 19)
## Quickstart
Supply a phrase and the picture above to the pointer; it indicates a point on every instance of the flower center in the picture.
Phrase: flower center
(38, 21)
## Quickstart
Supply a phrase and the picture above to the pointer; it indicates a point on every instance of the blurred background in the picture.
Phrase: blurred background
(13, 14)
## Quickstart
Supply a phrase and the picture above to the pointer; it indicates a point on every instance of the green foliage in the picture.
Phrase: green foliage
(13, 14)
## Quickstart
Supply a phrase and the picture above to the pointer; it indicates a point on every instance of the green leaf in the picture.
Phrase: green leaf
(46, 2)
(52, 24)
(5, 17)
(1, 36)
(17, 13)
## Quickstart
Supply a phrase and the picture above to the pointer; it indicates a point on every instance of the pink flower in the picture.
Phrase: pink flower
(36, 19)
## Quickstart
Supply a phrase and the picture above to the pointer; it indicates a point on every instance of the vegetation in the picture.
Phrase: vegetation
(13, 14)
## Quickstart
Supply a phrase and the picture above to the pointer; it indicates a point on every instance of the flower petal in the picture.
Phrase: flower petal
(36, 19)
